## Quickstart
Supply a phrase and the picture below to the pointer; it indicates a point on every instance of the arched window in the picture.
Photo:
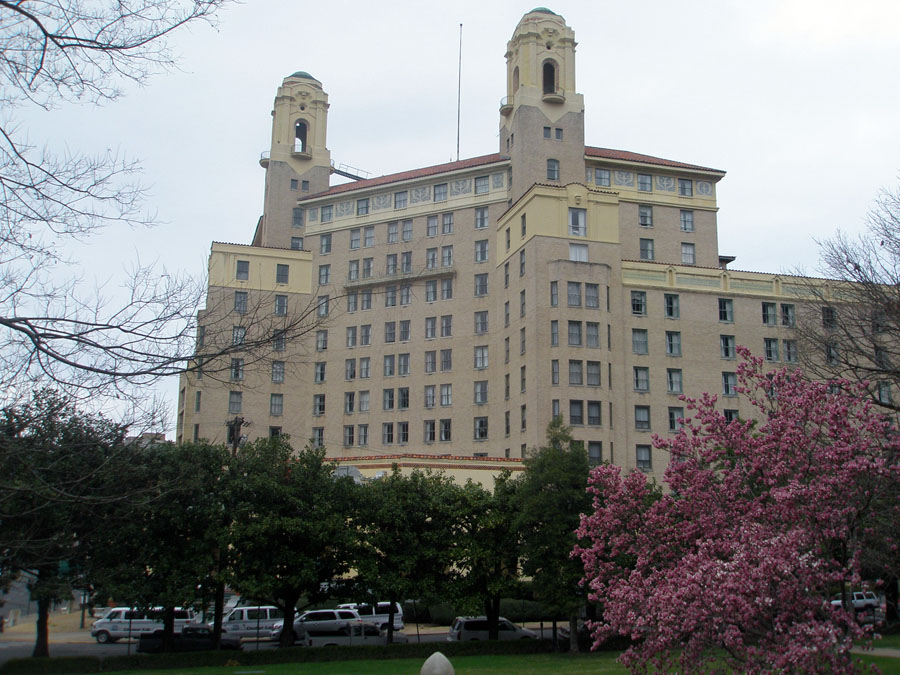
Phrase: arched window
(549, 77)
(516, 79)
(300, 136)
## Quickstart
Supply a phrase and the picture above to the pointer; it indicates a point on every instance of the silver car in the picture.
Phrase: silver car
(476, 628)
(317, 621)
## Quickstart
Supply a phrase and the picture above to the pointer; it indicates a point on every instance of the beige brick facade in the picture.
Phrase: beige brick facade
(470, 302)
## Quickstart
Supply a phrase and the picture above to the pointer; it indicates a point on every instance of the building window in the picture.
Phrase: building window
(440, 192)
(688, 254)
(554, 333)
(446, 360)
(729, 384)
(481, 250)
(446, 256)
(577, 222)
(576, 412)
(235, 401)
(430, 327)
(592, 296)
(601, 177)
(317, 439)
(387, 433)
(481, 285)
(481, 218)
(400, 199)
(788, 316)
(552, 169)
(393, 232)
(829, 318)
(639, 303)
(595, 453)
(642, 457)
(726, 310)
(481, 392)
(364, 369)
(362, 207)
(645, 182)
(387, 399)
(482, 185)
(238, 333)
(554, 371)
(324, 243)
(687, 221)
(575, 334)
(592, 334)
(578, 252)
(390, 363)
(522, 263)
(240, 302)
(646, 249)
(576, 372)
(639, 342)
(523, 418)
(790, 351)
(831, 354)
(324, 275)
(523, 226)
(447, 325)
(277, 371)
(365, 335)
(322, 306)
(726, 346)
(297, 217)
(481, 322)
(884, 393)
(554, 293)
(642, 417)
(431, 227)
(641, 378)
(431, 290)
(447, 223)
(481, 428)
(522, 340)
(573, 293)
(446, 395)
(685, 187)
(645, 215)
(237, 369)
(481, 357)
(676, 417)
(546, 132)
(672, 309)
(242, 272)
(318, 404)
(349, 369)
(770, 347)
(768, 314)
(594, 413)
(407, 230)
(403, 365)
(367, 265)
(390, 296)
(276, 404)
(368, 236)
(390, 331)
(446, 430)
(319, 375)
(673, 343)
(326, 213)
(296, 243)
(348, 435)
(674, 383)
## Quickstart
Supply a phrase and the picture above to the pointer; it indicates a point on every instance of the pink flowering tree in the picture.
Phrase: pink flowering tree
(760, 522)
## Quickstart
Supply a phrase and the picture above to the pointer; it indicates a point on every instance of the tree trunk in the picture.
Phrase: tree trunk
(492, 612)
(390, 626)
(573, 633)
(168, 640)
(286, 639)
(42, 643)
(890, 594)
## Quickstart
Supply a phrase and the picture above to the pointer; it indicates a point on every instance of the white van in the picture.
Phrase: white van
(127, 622)
(251, 622)
(379, 613)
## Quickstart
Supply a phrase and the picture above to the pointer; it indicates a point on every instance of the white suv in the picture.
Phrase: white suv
(316, 621)
(859, 600)
(379, 613)
(476, 628)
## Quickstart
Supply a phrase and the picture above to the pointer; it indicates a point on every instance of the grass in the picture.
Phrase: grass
(533, 664)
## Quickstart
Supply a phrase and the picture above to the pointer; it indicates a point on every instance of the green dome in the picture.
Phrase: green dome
(542, 10)
(302, 74)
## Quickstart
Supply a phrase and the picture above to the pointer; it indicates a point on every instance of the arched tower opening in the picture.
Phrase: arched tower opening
(300, 132)
(549, 77)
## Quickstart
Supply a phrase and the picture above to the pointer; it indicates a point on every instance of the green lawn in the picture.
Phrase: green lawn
(534, 664)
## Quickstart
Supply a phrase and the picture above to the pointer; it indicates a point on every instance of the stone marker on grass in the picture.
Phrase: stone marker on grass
(437, 664)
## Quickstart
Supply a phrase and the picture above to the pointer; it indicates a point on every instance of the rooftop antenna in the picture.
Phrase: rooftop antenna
(458, 92)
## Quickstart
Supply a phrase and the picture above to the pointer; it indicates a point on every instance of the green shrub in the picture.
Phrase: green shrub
(442, 614)
(60, 664)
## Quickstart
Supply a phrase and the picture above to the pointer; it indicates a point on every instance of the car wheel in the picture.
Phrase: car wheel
(103, 637)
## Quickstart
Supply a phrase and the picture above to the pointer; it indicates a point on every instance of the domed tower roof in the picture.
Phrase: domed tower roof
(303, 75)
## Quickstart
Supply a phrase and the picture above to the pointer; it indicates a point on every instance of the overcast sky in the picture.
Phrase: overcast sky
(798, 100)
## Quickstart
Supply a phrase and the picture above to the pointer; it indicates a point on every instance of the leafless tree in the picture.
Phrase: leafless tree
(51, 328)
(850, 327)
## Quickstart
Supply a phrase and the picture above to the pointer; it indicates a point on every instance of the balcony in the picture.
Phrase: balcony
(506, 106)
(299, 151)
(264, 158)
(386, 278)
(554, 97)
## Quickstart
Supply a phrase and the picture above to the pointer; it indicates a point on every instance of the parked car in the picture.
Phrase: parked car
(127, 622)
(352, 633)
(859, 600)
(315, 621)
(379, 613)
(251, 622)
(196, 638)
(476, 628)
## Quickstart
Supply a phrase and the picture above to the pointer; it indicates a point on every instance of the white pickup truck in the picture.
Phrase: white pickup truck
(859, 600)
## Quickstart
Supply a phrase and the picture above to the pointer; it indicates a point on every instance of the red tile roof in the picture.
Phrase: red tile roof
(625, 155)
(409, 175)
